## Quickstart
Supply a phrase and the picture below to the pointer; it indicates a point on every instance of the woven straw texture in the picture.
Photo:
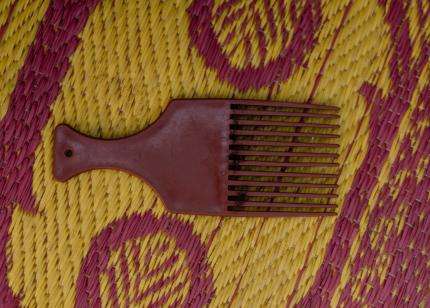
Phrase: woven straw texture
(109, 68)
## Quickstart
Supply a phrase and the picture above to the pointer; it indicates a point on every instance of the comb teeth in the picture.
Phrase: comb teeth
(282, 158)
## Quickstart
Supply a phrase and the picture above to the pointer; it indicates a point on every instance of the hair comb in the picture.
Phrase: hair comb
(222, 157)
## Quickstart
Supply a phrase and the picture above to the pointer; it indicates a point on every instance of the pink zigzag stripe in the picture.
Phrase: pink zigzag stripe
(37, 87)
(386, 114)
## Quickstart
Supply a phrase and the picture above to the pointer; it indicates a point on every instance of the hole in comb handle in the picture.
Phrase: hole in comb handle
(68, 153)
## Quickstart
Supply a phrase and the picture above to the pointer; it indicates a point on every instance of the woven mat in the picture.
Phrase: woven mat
(109, 68)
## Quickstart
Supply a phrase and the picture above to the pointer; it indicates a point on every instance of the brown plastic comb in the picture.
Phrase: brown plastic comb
(222, 157)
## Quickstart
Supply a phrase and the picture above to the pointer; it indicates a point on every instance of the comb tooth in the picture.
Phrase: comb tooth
(278, 184)
(285, 105)
(283, 113)
(279, 204)
(239, 132)
(278, 164)
(281, 211)
(283, 154)
(283, 144)
(282, 124)
(282, 174)
(243, 193)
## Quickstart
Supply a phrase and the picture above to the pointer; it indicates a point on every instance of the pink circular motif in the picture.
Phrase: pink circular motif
(124, 230)
(304, 17)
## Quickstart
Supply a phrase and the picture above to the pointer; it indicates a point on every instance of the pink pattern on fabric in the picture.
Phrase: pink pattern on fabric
(405, 249)
(207, 42)
(385, 117)
(37, 87)
(116, 234)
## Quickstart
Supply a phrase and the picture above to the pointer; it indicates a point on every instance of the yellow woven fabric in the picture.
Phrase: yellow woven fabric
(133, 57)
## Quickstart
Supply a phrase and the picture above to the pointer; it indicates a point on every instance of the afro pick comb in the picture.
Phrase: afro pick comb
(222, 157)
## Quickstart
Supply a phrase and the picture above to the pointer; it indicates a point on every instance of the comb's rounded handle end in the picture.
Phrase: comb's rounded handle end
(69, 153)
(75, 153)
